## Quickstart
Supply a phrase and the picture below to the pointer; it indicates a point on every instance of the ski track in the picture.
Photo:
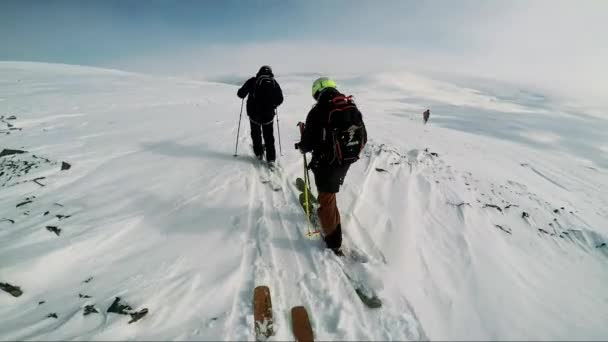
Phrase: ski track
(271, 249)
(238, 325)
(299, 271)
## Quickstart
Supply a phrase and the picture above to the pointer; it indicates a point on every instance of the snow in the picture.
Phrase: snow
(461, 218)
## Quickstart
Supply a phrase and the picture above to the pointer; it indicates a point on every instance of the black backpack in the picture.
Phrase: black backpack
(264, 91)
(345, 135)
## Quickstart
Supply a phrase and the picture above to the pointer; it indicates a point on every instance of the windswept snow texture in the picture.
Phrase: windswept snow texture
(488, 223)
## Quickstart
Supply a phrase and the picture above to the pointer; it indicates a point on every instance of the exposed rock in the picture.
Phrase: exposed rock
(136, 316)
(492, 206)
(65, 166)
(504, 229)
(119, 308)
(89, 309)
(23, 203)
(122, 308)
(458, 204)
(13, 290)
(52, 315)
(36, 180)
(88, 280)
(8, 152)
(80, 295)
(54, 229)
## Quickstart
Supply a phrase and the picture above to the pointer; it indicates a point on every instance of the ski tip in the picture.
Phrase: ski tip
(262, 313)
(371, 300)
(302, 329)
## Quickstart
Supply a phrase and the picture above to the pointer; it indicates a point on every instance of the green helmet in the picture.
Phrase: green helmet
(321, 84)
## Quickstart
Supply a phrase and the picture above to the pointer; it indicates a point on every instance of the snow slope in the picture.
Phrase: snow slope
(486, 223)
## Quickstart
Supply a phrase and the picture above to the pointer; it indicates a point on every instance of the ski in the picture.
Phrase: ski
(302, 330)
(349, 263)
(300, 185)
(312, 201)
(354, 253)
(270, 174)
(367, 295)
(274, 176)
(262, 313)
(354, 258)
(312, 208)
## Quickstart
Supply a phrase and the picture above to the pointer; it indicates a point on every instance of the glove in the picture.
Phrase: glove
(300, 125)
(297, 146)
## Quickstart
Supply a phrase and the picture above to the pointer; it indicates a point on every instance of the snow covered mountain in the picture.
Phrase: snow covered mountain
(490, 222)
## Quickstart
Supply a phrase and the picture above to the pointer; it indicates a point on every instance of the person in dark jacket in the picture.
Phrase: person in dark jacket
(265, 96)
(328, 178)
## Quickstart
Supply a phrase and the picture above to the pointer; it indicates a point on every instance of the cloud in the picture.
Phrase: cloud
(554, 45)
(550, 46)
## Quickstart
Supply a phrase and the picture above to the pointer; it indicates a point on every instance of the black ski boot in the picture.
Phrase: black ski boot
(334, 241)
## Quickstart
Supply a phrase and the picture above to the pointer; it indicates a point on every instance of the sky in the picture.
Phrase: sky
(553, 45)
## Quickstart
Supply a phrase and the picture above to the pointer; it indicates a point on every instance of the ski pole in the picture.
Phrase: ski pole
(239, 129)
(306, 187)
(279, 130)
(306, 202)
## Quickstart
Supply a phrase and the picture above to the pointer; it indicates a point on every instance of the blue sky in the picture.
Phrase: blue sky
(97, 32)
(547, 44)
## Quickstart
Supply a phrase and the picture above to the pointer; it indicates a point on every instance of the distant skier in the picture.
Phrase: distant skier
(335, 133)
(265, 96)
(425, 115)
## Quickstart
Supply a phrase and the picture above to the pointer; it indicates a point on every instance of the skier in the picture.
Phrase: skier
(265, 96)
(425, 115)
(328, 172)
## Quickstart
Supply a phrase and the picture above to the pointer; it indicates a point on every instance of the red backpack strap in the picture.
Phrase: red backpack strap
(342, 99)
(341, 102)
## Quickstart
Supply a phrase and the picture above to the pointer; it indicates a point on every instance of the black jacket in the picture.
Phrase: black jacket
(327, 178)
(260, 112)
(312, 136)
